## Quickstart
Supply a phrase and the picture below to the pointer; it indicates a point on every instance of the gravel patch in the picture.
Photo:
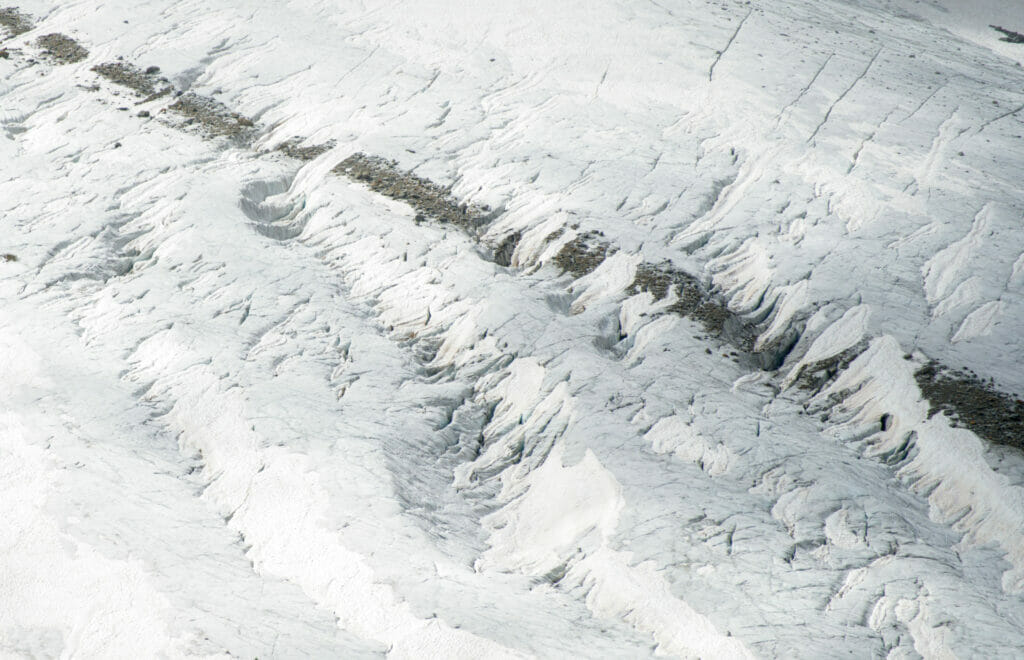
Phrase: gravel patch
(14, 21)
(815, 376)
(583, 254)
(213, 118)
(143, 82)
(427, 198)
(294, 148)
(972, 403)
(62, 48)
(694, 301)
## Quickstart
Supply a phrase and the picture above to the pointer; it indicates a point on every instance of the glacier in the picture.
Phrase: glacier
(605, 329)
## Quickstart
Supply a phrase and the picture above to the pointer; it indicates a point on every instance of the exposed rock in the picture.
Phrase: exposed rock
(1009, 35)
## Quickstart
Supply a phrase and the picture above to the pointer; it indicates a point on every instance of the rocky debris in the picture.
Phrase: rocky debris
(155, 95)
(427, 198)
(694, 301)
(503, 253)
(691, 298)
(658, 281)
(9, 257)
(813, 377)
(583, 254)
(62, 48)
(718, 320)
(214, 118)
(973, 404)
(772, 356)
(144, 83)
(293, 149)
(1009, 35)
(14, 21)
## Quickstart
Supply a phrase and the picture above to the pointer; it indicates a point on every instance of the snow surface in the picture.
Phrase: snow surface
(251, 408)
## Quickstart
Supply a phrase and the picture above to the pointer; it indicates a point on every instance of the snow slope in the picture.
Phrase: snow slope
(972, 20)
(255, 407)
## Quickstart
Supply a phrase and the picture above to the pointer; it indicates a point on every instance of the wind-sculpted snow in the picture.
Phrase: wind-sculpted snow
(525, 330)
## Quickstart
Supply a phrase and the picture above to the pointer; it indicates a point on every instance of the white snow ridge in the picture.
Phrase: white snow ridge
(434, 329)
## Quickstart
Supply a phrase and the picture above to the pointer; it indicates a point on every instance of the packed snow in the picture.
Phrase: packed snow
(502, 330)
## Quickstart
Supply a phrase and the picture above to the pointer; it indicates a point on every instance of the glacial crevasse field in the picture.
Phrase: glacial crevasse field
(604, 329)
